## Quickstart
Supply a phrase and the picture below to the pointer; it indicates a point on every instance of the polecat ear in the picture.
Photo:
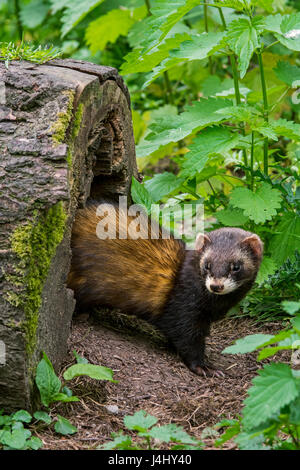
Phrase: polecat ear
(255, 244)
(202, 241)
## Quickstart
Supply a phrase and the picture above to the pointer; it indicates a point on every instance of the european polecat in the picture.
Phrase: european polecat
(179, 291)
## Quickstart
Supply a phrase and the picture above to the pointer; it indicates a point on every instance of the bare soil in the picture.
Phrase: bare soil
(150, 377)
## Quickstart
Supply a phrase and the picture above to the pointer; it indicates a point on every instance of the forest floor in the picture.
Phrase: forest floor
(151, 377)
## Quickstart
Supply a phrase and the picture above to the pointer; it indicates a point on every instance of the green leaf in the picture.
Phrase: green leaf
(162, 184)
(80, 359)
(34, 443)
(290, 31)
(22, 415)
(43, 416)
(174, 128)
(243, 40)
(171, 433)
(286, 240)
(286, 72)
(140, 421)
(137, 61)
(141, 195)
(15, 439)
(259, 206)
(63, 426)
(290, 307)
(267, 352)
(91, 370)
(76, 11)
(295, 412)
(231, 217)
(266, 130)
(211, 141)
(247, 441)
(120, 441)
(288, 129)
(170, 12)
(272, 389)
(34, 13)
(267, 267)
(47, 381)
(196, 48)
(109, 27)
(63, 397)
(247, 344)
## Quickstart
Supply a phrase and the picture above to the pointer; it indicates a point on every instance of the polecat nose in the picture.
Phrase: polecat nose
(217, 287)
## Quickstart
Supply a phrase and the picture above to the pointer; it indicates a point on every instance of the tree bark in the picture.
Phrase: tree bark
(65, 135)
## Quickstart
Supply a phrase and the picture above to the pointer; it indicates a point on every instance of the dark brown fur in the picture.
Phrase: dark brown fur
(161, 281)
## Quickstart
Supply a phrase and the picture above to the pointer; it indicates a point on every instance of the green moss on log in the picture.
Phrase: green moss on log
(35, 245)
(59, 128)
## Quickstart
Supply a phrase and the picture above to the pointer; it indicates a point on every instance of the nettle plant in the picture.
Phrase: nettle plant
(215, 87)
(271, 413)
(236, 147)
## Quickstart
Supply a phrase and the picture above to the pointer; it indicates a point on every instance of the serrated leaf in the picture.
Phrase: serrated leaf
(290, 31)
(266, 130)
(231, 217)
(109, 27)
(247, 441)
(247, 344)
(140, 421)
(196, 48)
(64, 427)
(174, 128)
(171, 433)
(243, 40)
(211, 141)
(288, 129)
(171, 12)
(162, 184)
(120, 441)
(141, 195)
(137, 61)
(272, 389)
(287, 72)
(91, 370)
(238, 5)
(268, 352)
(267, 267)
(259, 206)
(286, 241)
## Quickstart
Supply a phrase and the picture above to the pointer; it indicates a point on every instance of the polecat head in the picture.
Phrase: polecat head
(229, 258)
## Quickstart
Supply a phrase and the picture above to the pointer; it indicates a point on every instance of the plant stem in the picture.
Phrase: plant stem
(148, 6)
(169, 95)
(19, 23)
(206, 29)
(252, 162)
(266, 109)
(235, 81)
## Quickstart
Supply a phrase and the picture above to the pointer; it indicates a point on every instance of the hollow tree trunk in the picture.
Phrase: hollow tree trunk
(65, 135)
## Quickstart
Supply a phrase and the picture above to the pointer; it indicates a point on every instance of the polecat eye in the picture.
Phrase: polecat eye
(207, 266)
(235, 267)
